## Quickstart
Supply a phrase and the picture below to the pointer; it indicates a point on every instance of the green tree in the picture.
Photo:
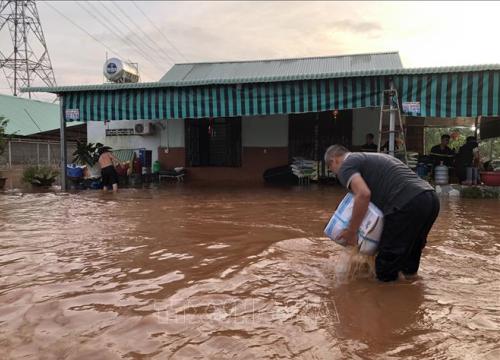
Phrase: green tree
(433, 137)
(489, 149)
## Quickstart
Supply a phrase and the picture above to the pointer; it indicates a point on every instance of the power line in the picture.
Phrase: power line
(111, 30)
(128, 29)
(145, 34)
(138, 45)
(158, 29)
(89, 34)
(85, 31)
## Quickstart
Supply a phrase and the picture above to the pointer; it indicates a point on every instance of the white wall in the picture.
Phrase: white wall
(265, 131)
(169, 133)
(364, 121)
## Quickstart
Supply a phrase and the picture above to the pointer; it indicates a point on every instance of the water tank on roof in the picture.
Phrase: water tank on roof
(120, 71)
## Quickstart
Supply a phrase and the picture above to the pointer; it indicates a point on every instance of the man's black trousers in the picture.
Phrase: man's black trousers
(405, 235)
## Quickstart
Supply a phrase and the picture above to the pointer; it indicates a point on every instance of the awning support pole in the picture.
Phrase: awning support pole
(392, 123)
(64, 159)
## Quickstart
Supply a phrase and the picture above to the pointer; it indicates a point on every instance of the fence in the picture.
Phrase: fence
(33, 152)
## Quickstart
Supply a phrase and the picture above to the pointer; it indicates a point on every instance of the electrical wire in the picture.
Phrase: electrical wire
(145, 34)
(85, 31)
(111, 30)
(109, 48)
(159, 31)
(127, 27)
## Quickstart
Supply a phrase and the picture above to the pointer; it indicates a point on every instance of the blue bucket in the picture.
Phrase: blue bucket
(74, 171)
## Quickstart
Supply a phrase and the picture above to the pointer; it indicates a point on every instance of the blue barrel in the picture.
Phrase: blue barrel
(422, 170)
(74, 171)
(142, 156)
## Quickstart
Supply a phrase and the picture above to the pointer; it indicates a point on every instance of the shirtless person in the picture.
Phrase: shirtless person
(108, 172)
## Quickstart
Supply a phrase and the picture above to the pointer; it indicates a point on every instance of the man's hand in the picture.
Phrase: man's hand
(349, 236)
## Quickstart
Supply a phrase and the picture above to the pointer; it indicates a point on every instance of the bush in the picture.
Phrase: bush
(40, 175)
(476, 192)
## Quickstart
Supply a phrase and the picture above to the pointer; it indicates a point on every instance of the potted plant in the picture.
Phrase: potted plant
(87, 154)
(40, 176)
(3, 142)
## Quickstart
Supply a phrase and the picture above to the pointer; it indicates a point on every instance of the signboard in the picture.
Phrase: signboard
(489, 127)
(72, 114)
(411, 107)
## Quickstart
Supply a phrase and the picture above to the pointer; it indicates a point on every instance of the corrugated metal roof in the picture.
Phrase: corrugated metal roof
(281, 69)
(125, 155)
(152, 85)
(28, 117)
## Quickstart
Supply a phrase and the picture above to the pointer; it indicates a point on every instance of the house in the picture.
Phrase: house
(33, 130)
(233, 120)
(33, 119)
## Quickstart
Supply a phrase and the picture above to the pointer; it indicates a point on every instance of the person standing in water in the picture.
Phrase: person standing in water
(468, 156)
(108, 171)
(410, 206)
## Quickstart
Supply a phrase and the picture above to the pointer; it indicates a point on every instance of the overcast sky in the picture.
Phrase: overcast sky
(424, 33)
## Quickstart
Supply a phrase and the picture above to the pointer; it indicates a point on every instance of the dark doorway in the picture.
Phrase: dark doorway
(213, 142)
(310, 134)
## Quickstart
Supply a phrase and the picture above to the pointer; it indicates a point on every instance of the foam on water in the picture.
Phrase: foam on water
(352, 265)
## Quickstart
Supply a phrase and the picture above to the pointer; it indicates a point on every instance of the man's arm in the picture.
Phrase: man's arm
(362, 195)
(114, 159)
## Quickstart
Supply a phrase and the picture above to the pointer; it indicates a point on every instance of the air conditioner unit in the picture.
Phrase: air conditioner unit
(144, 128)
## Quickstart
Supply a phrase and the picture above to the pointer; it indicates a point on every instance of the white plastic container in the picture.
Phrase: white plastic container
(441, 176)
(370, 231)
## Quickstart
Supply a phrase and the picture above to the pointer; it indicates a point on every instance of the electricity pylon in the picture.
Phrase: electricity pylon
(27, 57)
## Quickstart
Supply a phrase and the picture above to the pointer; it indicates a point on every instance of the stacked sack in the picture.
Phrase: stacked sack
(303, 168)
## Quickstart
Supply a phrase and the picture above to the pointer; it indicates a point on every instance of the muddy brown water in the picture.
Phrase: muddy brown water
(187, 272)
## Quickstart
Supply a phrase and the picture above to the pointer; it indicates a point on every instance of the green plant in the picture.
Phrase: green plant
(3, 138)
(490, 193)
(86, 153)
(472, 192)
(39, 175)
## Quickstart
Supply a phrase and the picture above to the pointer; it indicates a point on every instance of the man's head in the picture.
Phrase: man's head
(334, 157)
(445, 139)
(104, 149)
(369, 138)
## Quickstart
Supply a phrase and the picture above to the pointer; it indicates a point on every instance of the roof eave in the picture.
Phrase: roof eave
(146, 85)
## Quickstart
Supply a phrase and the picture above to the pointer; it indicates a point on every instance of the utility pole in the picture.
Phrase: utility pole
(27, 57)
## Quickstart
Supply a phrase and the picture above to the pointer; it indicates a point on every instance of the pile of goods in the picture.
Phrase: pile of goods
(304, 169)
(412, 160)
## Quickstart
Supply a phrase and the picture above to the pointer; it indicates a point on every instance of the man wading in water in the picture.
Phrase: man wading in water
(410, 206)
(108, 172)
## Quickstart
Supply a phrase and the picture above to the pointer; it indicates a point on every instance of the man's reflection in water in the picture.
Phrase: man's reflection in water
(379, 315)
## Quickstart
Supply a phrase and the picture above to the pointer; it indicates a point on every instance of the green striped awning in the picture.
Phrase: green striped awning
(442, 95)
(466, 94)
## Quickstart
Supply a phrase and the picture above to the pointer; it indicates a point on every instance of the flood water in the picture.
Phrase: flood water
(190, 272)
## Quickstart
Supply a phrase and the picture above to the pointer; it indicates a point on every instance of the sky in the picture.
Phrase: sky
(424, 33)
